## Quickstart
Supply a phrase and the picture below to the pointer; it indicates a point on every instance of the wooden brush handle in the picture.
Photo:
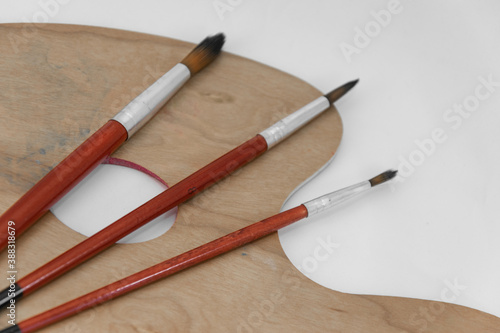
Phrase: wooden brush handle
(166, 268)
(38, 200)
(180, 192)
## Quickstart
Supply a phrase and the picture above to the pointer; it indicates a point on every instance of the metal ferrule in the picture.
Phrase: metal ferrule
(293, 122)
(144, 107)
(333, 199)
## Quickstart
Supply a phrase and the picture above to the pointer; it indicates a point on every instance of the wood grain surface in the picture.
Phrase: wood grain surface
(61, 179)
(60, 83)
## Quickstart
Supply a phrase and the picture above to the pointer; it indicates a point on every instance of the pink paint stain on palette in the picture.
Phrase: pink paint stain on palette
(92, 205)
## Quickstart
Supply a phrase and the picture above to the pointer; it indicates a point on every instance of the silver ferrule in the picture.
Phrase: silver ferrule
(293, 122)
(333, 199)
(144, 107)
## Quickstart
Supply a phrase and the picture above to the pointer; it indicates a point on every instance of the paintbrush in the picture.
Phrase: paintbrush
(60, 180)
(200, 254)
(173, 196)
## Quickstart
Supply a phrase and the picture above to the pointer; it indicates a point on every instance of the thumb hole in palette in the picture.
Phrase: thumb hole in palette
(111, 191)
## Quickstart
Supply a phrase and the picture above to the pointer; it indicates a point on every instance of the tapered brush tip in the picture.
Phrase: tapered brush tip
(334, 95)
(383, 177)
(204, 53)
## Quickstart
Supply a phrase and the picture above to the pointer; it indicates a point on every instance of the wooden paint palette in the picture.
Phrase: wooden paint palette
(60, 83)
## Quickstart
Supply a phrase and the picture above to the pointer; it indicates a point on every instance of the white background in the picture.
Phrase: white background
(434, 232)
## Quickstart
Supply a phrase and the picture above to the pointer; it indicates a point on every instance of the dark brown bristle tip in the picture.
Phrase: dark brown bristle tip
(204, 53)
(334, 95)
(383, 177)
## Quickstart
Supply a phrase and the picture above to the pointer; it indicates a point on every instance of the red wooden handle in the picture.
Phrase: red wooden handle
(38, 200)
(166, 268)
(180, 192)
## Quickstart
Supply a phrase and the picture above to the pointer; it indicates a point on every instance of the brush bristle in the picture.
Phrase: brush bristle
(383, 177)
(204, 53)
(340, 91)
